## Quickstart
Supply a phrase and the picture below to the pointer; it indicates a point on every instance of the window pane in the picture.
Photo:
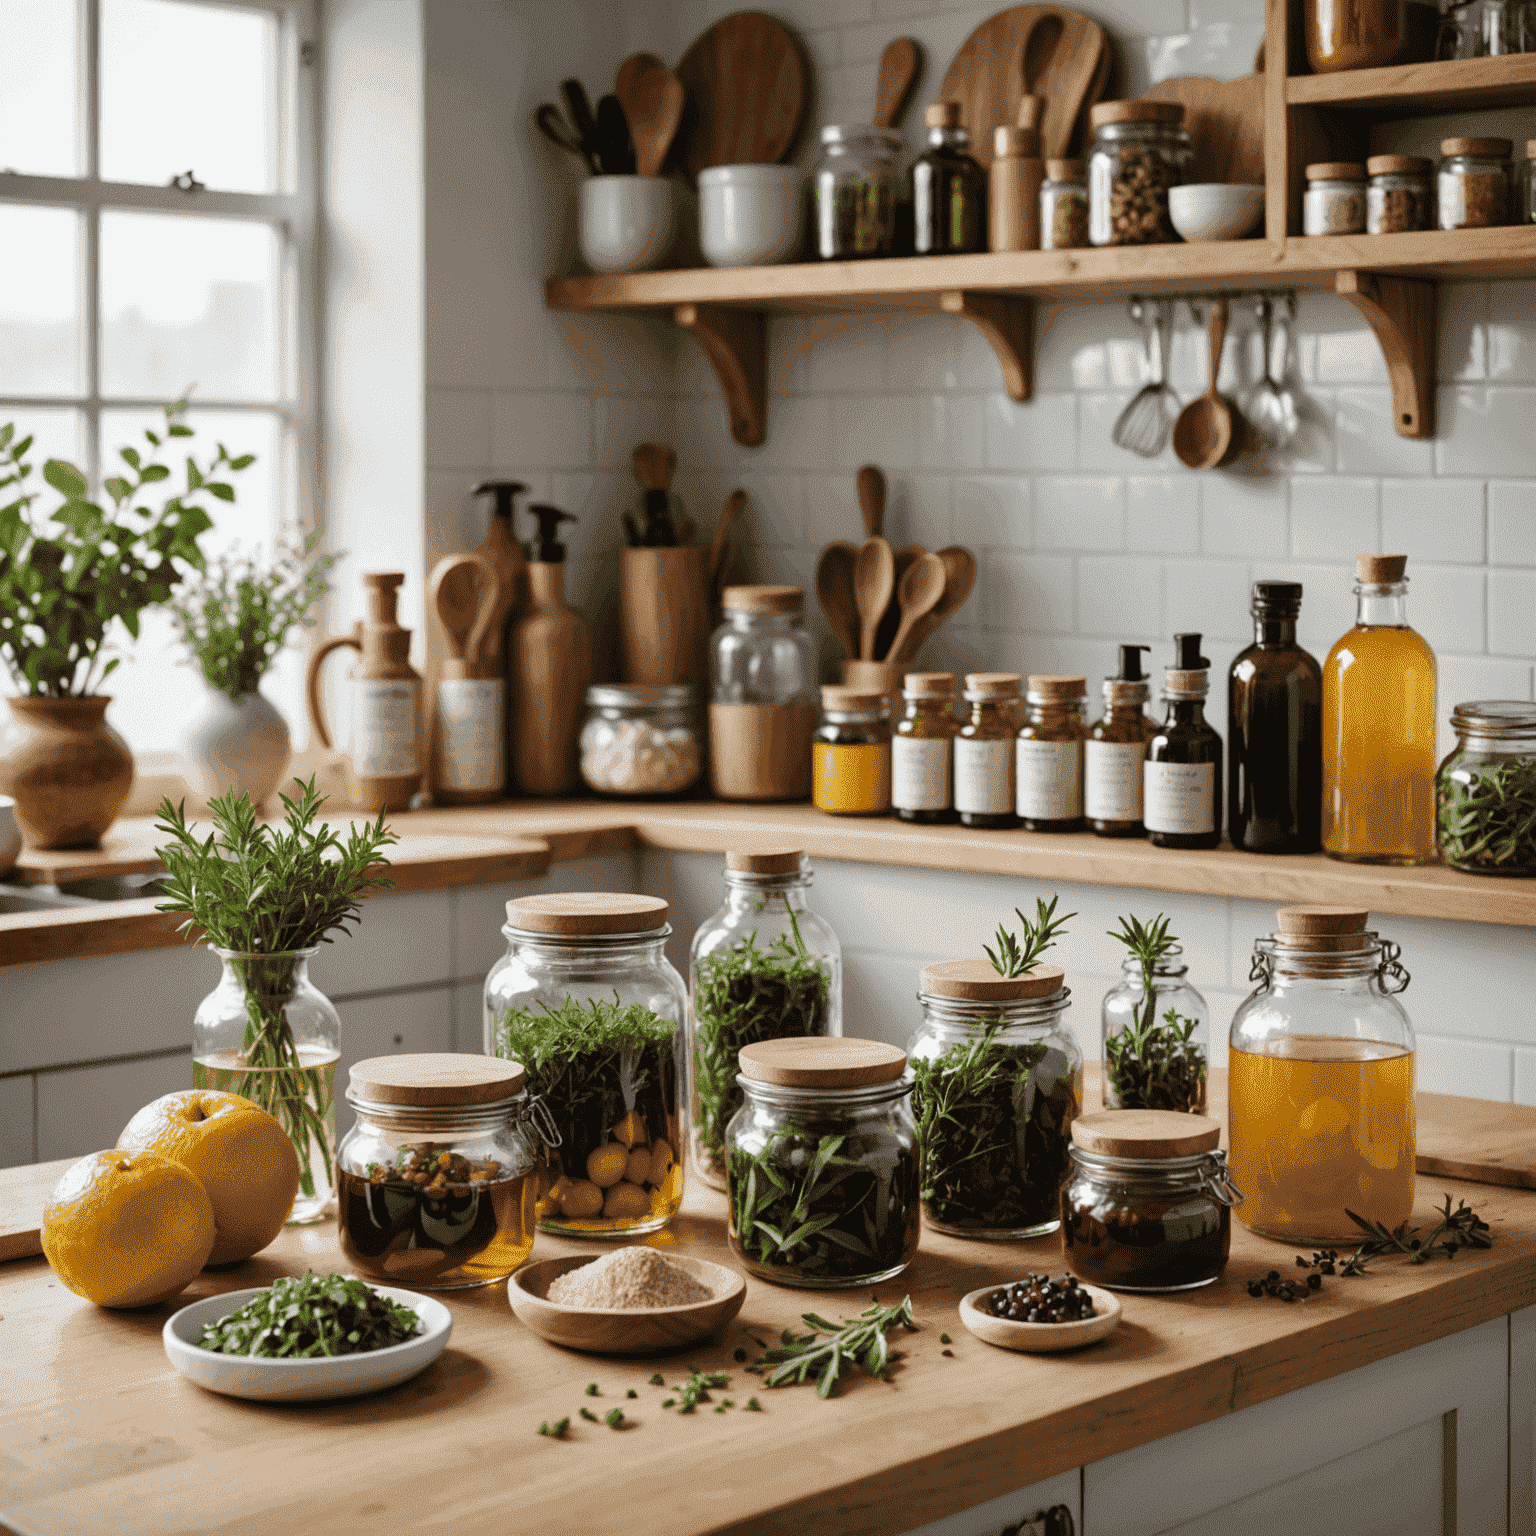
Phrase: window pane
(188, 87)
(40, 331)
(39, 109)
(186, 300)
(55, 434)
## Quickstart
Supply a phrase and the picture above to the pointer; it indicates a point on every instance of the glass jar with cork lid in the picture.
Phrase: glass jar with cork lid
(984, 750)
(1115, 751)
(922, 748)
(1320, 1089)
(1397, 197)
(1063, 206)
(1140, 150)
(851, 753)
(1472, 185)
(436, 1180)
(587, 1001)
(824, 1163)
(1049, 754)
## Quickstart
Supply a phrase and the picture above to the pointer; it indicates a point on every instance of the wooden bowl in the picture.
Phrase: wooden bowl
(1040, 1338)
(649, 1332)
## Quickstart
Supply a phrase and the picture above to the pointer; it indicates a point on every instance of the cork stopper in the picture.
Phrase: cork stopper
(943, 114)
(1481, 149)
(848, 700)
(765, 861)
(1336, 170)
(819, 1061)
(1325, 929)
(992, 685)
(976, 981)
(1397, 165)
(1530, 149)
(1064, 170)
(1055, 688)
(763, 599)
(926, 685)
(1145, 1133)
(1136, 111)
(577, 913)
(436, 1078)
(1380, 570)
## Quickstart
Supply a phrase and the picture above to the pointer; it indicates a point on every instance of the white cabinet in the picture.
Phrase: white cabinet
(1051, 1507)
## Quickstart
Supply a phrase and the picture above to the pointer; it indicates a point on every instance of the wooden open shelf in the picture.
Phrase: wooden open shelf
(1421, 90)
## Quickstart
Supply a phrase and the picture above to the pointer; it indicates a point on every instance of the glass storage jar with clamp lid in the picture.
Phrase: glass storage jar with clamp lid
(1485, 791)
(857, 186)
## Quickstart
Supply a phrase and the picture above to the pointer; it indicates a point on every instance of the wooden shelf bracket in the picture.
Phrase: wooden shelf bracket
(1402, 312)
(1007, 320)
(736, 343)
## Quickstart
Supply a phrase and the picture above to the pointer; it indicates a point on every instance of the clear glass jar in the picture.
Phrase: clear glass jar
(1485, 791)
(851, 755)
(807, 1150)
(764, 967)
(1063, 206)
(985, 751)
(922, 747)
(1334, 202)
(857, 187)
(999, 1074)
(1152, 1061)
(269, 1034)
(1525, 192)
(640, 740)
(1397, 198)
(1139, 150)
(763, 696)
(1321, 1081)
(1472, 187)
(436, 1181)
(1049, 754)
(949, 189)
(1149, 1212)
(587, 1001)
(1343, 34)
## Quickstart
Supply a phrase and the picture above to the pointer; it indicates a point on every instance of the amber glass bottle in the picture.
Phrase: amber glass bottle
(1049, 760)
(1379, 728)
(1182, 777)
(922, 745)
(984, 750)
(1116, 750)
(1275, 732)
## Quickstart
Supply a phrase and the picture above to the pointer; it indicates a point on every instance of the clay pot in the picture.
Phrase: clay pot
(68, 771)
(240, 744)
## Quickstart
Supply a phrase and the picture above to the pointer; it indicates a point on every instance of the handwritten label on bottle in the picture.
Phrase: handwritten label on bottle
(1112, 780)
(984, 777)
(469, 724)
(1050, 778)
(384, 728)
(1180, 797)
(919, 774)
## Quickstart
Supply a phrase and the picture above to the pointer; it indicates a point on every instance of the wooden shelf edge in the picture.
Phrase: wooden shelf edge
(1420, 90)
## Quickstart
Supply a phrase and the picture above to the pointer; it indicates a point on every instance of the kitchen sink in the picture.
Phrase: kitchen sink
(77, 893)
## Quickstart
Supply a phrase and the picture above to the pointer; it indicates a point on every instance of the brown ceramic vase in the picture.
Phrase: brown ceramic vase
(68, 771)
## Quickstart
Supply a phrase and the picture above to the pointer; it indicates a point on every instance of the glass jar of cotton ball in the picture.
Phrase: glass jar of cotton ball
(640, 740)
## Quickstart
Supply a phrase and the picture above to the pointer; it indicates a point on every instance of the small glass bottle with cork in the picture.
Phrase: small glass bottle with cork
(949, 189)
(1049, 754)
(1181, 780)
(1063, 206)
(922, 748)
(1115, 751)
(851, 753)
(985, 751)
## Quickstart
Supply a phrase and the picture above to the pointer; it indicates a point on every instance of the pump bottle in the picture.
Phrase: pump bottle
(1181, 781)
(1115, 753)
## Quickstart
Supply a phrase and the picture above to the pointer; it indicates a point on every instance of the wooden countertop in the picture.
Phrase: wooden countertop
(516, 840)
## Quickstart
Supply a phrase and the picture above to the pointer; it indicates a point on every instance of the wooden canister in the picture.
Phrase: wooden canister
(761, 751)
(664, 615)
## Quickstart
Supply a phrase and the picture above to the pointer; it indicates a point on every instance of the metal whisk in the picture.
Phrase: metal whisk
(1146, 422)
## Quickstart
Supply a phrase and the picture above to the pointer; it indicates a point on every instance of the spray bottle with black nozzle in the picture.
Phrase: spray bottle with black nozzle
(1182, 793)
(550, 665)
(1116, 751)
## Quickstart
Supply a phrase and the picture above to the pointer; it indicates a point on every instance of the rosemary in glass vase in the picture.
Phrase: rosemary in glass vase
(265, 897)
(1155, 1055)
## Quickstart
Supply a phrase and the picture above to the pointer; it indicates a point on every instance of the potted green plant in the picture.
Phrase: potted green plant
(234, 619)
(68, 579)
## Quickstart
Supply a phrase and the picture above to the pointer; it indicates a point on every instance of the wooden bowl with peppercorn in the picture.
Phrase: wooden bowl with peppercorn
(993, 1314)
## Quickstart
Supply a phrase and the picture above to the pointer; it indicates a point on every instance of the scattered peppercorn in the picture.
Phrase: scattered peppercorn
(944, 1338)
(1039, 1299)
(948, 1354)
(1314, 1282)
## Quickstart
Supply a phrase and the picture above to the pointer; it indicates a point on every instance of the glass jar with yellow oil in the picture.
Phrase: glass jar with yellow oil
(1321, 1081)
(851, 753)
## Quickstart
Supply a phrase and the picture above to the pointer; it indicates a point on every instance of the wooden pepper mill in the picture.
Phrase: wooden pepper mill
(386, 701)
(1013, 190)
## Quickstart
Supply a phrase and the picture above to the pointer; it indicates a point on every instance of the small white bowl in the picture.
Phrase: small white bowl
(293, 1381)
(1215, 210)
(626, 223)
(1040, 1338)
(10, 835)
(751, 215)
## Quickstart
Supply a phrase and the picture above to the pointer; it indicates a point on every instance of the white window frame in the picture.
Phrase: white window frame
(292, 212)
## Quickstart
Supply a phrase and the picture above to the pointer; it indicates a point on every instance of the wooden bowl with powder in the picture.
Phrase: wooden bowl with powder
(627, 1306)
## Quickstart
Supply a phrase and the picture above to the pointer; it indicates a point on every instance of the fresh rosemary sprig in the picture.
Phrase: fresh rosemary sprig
(1015, 958)
(856, 1341)
(1147, 1065)
(1458, 1229)
(1487, 816)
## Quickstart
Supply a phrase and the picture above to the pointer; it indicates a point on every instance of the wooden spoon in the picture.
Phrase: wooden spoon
(874, 579)
(886, 634)
(1203, 433)
(872, 499)
(834, 589)
(464, 593)
(921, 589)
(959, 578)
(899, 66)
(632, 68)
(653, 102)
(720, 545)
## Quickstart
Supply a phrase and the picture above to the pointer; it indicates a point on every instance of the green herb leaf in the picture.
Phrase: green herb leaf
(312, 1315)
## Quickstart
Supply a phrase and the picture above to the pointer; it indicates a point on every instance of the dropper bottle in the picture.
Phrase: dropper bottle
(1181, 782)
(1116, 750)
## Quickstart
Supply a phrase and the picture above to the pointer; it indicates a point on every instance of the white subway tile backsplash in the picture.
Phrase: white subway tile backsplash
(950, 430)
(1079, 513)
(994, 512)
(921, 354)
(457, 428)
(1365, 441)
(1512, 522)
(1462, 344)
(1512, 613)
(1447, 606)
(1432, 519)
(874, 429)
(548, 429)
(846, 354)
(1208, 595)
(1162, 514)
(1485, 431)
(1039, 435)
(1333, 518)
(1476, 1069)
(1115, 599)
(1246, 518)
(1512, 332)
(1029, 594)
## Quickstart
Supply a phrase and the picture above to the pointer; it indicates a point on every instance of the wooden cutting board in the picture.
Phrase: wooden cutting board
(747, 86)
(1477, 1140)
(1059, 50)
(21, 1212)
(1225, 122)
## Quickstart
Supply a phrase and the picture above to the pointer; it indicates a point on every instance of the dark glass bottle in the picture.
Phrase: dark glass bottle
(1182, 775)
(1275, 722)
(1115, 754)
(949, 189)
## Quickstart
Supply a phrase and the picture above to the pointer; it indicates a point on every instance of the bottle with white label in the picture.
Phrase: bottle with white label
(1048, 756)
(922, 748)
(1181, 780)
(1116, 750)
(985, 750)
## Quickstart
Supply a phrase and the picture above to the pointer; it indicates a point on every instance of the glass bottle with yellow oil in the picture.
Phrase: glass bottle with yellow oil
(1379, 728)
(1321, 1081)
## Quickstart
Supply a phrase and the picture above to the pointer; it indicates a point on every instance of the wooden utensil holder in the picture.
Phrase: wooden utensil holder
(664, 617)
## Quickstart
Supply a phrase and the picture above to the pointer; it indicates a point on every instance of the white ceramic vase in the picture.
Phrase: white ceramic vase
(239, 744)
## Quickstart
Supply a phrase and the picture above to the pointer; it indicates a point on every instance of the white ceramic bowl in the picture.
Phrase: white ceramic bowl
(10, 835)
(303, 1380)
(1040, 1338)
(751, 215)
(1215, 210)
(626, 223)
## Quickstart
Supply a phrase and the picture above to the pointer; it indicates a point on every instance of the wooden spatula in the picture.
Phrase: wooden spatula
(899, 68)
(872, 499)
(653, 102)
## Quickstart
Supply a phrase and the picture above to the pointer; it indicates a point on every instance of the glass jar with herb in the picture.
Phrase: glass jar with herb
(1397, 197)
(949, 189)
(984, 750)
(764, 967)
(824, 1163)
(922, 746)
(999, 1083)
(1485, 791)
(1472, 187)
(1156, 1027)
(851, 753)
(857, 187)
(1334, 202)
(1140, 150)
(586, 1000)
(1063, 206)
(1115, 751)
(436, 1181)
(1049, 754)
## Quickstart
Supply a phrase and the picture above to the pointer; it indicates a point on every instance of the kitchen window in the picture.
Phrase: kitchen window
(157, 230)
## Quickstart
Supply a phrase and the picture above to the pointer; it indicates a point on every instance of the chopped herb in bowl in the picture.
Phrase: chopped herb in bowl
(313, 1315)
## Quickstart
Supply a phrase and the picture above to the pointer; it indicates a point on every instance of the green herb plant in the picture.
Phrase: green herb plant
(263, 894)
(1487, 816)
(1458, 1229)
(239, 613)
(68, 576)
(1148, 1065)
(299, 1318)
(859, 1341)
